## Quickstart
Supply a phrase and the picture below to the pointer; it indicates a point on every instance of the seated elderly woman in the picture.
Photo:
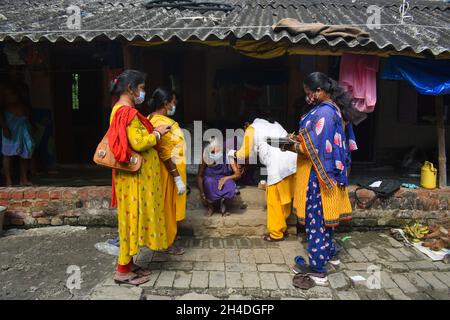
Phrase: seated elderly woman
(216, 177)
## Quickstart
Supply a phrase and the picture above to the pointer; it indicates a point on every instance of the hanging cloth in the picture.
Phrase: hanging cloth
(430, 77)
(358, 75)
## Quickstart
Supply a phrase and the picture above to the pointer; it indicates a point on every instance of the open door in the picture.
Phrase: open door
(78, 95)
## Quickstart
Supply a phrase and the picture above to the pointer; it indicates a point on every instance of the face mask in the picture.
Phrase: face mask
(312, 100)
(216, 156)
(141, 98)
(172, 112)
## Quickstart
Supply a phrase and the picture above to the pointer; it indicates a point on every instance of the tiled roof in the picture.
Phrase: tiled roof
(40, 20)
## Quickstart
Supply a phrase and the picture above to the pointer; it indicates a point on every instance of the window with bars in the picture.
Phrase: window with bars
(75, 91)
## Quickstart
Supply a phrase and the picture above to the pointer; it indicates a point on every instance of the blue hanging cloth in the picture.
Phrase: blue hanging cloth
(430, 77)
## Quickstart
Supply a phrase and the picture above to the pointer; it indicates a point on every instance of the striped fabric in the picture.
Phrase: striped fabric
(335, 201)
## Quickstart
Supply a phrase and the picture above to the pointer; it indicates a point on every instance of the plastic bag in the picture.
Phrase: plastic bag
(107, 248)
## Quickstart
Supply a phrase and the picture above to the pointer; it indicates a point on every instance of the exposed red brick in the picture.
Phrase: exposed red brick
(423, 193)
(27, 204)
(29, 194)
(40, 204)
(55, 195)
(69, 194)
(83, 194)
(43, 195)
(17, 195)
(4, 194)
(15, 205)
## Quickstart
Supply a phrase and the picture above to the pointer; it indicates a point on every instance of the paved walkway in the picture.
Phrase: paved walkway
(35, 266)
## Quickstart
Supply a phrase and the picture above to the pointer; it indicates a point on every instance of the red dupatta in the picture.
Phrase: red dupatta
(118, 138)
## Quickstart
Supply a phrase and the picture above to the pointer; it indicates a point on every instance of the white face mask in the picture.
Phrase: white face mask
(172, 111)
(141, 98)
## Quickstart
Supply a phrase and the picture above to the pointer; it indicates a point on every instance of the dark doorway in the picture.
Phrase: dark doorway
(77, 94)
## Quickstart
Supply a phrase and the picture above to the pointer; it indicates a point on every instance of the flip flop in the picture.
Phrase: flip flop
(268, 238)
(174, 250)
(131, 278)
(303, 282)
(140, 271)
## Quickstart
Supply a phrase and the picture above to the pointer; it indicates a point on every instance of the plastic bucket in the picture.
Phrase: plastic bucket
(2, 218)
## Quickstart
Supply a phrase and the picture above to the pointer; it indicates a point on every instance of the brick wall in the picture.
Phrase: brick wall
(90, 206)
(41, 206)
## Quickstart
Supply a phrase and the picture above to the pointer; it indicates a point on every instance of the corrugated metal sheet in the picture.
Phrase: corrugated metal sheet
(46, 20)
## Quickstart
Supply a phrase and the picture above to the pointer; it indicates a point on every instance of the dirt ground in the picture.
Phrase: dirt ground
(33, 263)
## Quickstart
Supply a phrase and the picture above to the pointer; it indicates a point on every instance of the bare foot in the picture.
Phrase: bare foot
(210, 212)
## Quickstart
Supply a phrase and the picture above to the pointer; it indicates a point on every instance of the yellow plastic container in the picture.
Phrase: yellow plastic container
(428, 176)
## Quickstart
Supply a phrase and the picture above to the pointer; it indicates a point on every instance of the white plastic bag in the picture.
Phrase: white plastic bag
(107, 248)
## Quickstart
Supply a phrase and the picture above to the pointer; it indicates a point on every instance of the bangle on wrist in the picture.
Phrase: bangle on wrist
(158, 135)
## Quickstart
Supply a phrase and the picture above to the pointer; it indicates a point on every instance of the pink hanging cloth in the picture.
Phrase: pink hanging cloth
(358, 75)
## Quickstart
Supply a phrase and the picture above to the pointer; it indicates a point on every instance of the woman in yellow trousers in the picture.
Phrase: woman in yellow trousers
(171, 150)
(137, 195)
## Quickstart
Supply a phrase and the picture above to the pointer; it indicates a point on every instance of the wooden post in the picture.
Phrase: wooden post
(441, 141)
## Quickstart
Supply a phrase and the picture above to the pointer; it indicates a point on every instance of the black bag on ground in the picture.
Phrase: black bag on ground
(386, 188)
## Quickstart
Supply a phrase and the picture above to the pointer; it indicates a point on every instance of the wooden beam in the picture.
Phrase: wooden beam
(441, 141)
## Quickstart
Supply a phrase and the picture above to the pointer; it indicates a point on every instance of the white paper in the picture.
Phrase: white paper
(358, 278)
(433, 255)
(376, 184)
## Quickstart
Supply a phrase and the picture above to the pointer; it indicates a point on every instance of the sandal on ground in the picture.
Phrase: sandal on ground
(130, 278)
(140, 271)
(303, 282)
(335, 261)
(320, 279)
(268, 238)
(174, 250)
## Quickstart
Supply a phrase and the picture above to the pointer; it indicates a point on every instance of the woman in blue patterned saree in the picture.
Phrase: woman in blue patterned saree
(321, 196)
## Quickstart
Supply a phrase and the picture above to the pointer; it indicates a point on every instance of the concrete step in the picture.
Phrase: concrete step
(248, 222)
(253, 197)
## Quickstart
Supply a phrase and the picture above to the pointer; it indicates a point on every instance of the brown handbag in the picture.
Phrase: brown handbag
(104, 157)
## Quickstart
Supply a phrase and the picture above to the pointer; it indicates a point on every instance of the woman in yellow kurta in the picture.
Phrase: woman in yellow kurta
(139, 196)
(171, 150)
